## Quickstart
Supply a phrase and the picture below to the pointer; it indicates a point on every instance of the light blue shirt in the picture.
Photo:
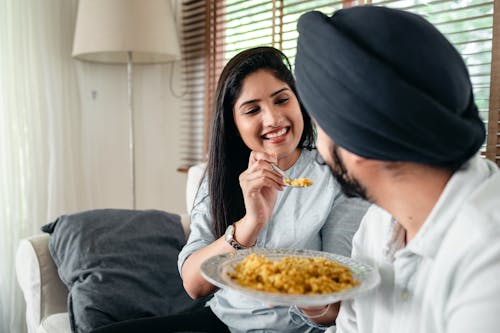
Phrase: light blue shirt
(318, 217)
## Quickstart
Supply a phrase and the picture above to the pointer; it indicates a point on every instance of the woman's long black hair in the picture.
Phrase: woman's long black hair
(228, 155)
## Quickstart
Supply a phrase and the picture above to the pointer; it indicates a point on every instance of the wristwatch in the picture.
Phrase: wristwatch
(229, 237)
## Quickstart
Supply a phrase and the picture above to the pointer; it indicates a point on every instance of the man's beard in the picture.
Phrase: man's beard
(350, 186)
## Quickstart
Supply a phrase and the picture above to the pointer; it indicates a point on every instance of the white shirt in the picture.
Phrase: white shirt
(447, 279)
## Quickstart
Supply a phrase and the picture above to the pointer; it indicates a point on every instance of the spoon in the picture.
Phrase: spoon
(299, 182)
(281, 172)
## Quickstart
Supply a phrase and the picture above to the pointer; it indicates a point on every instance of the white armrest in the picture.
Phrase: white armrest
(194, 176)
(185, 221)
(43, 291)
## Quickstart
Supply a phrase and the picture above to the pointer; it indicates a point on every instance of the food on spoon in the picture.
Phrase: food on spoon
(299, 182)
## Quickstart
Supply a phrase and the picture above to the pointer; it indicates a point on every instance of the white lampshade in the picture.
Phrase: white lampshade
(106, 30)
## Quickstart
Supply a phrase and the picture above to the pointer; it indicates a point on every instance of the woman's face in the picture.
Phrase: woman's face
(267, 115)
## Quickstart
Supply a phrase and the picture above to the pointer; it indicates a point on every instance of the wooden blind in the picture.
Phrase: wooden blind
(195, 59)
(493, 146)
(213, 31)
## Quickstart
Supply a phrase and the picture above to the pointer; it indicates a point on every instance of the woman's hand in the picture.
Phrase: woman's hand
(260, 185)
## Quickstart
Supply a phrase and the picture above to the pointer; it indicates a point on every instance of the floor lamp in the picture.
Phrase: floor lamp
(126, 32)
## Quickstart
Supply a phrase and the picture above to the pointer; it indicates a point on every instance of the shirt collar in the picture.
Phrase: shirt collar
(396, 236)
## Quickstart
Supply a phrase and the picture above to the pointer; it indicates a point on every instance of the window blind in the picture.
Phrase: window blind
(493, 140)
(194, 32)
(213, 31)
(468, 25)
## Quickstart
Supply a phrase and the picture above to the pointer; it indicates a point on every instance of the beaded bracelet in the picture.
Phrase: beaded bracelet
(318, 315)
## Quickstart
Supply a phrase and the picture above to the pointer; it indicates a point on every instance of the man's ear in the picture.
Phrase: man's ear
(349, 157)
(358, 161)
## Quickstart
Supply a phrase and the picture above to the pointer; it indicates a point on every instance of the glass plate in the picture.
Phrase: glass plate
(215, 270)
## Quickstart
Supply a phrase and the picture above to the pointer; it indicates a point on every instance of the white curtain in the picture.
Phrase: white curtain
(40, 176)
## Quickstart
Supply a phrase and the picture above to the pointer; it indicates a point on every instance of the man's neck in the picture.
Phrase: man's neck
(410, 198)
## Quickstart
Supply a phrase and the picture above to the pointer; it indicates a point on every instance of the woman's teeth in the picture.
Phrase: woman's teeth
(276, 134)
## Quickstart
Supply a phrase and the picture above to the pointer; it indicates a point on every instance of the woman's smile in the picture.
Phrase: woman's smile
(276, 136)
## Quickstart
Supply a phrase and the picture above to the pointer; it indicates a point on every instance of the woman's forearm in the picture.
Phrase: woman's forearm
(194, 284)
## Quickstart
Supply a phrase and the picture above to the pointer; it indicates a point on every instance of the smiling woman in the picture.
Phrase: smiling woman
(243, 201)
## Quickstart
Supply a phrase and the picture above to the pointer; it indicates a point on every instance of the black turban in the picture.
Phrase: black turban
(385, 84)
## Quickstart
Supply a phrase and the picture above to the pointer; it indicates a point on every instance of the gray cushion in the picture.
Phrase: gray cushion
(119, 265)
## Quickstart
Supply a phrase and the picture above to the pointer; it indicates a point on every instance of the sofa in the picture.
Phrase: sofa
(45, 294)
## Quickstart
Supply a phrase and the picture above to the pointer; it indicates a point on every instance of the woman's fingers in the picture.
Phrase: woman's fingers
(261, 174)
(261, 161)
(261, 156)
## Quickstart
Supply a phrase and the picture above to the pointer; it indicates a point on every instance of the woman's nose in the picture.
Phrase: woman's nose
(273, 117)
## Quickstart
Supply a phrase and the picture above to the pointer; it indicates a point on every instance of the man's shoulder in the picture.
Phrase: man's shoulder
(477, 223)
(479, 217)
(486, 198)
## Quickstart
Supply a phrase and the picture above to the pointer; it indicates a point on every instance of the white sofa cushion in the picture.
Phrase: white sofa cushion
(56, 323)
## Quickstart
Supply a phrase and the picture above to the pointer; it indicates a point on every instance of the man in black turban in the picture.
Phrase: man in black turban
(398, 125)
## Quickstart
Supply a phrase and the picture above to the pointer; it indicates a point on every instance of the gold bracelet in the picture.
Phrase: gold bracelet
(318, 315)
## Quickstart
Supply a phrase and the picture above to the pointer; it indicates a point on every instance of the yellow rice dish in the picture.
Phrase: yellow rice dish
(301, 182)
(293, 275)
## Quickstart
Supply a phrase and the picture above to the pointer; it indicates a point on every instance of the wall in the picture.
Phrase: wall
(105, 136)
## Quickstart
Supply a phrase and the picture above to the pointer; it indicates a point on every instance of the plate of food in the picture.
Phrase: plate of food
(290, 276)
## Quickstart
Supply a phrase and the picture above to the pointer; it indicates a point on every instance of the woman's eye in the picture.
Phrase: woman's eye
(251, 111)
(282, 100)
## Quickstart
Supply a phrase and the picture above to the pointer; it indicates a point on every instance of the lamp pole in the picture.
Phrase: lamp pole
(145, 27)
(131, 125)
